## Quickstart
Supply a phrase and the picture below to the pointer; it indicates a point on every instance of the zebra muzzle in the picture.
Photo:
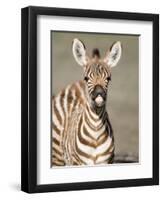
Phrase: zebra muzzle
(99, 100)
(98, 96)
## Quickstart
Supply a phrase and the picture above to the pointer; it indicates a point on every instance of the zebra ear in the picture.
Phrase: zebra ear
(79, 52)
(113, 56)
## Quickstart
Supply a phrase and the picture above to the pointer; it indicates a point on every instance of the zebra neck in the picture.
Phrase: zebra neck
(99, 111)
(93, 119)
(96, 113)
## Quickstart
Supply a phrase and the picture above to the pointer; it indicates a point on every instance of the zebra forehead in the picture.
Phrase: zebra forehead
(98, 68)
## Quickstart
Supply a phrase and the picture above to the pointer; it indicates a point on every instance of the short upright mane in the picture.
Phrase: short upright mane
(95, 53)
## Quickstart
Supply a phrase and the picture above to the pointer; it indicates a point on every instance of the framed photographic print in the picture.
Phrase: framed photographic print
(90, 99)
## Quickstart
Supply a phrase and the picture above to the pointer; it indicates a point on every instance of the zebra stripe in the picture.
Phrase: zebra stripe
(80, 136)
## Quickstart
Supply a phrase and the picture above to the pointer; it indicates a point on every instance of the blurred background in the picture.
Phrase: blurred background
(123, 93)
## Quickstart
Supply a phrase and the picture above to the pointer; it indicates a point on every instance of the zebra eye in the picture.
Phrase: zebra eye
(86, 78)
(109, 78)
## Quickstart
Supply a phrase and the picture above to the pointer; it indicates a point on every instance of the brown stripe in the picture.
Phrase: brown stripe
(108, 151)
(87, 133)
(82, 85)
(57, 158)
(69, 100)
(108, 160)
(75, 155)
(76, 98)
(100, 116)
(56, 112)
(56, 151)
(105, 132)
(102, 135)
(87, 143)
(82, 140)
(94, 128)
(62, 100)
(75, 163)
(90, 115)
(78, 160)
(102, 138)
(83, 153)
(56, 141)
(55, 129)
(78, 94)
(57, 163)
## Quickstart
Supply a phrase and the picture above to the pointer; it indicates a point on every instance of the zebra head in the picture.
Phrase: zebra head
(97, 70)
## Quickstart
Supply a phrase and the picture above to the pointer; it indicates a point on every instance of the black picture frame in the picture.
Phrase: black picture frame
(29, 98)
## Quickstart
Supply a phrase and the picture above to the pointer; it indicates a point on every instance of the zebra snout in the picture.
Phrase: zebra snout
(98, 95)
(98, 91)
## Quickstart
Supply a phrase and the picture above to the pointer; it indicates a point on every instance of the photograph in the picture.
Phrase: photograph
(90, 99)
(94, 98)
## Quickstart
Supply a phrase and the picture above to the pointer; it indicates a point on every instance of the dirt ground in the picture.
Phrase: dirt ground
(123, 93)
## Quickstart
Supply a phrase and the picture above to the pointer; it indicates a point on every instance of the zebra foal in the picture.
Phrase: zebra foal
(81, 130)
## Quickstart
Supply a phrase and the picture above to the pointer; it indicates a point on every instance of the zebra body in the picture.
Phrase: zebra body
(80, 136)
(81, 131)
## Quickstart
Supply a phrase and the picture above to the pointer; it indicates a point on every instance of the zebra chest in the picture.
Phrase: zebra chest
(87, 142)
(94, 149)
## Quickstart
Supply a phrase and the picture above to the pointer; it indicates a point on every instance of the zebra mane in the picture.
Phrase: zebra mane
(95, 53)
